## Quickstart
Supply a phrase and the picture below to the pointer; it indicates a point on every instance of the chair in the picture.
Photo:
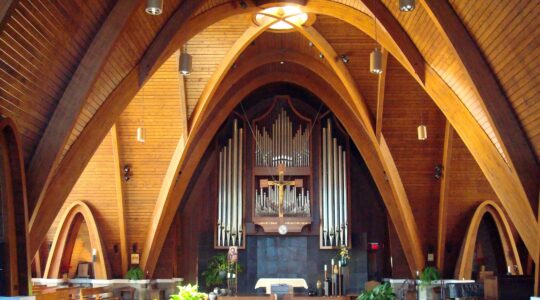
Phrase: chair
(83, 270)
(127, 290)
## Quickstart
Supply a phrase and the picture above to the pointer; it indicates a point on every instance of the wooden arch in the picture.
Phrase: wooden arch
(177, 31)
(378, 160)
(67, 232)
(14, 181)
(465, 261)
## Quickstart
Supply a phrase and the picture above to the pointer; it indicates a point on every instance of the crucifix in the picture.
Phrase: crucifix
(281, 184)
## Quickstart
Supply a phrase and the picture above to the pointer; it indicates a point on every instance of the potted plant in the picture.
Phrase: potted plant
(135, 273)
(381, 292)
(428, 275)
(189, 292)
(217, 269)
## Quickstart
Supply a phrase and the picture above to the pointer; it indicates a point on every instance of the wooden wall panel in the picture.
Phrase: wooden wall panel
(40, 47)
(97, 188)
(157, 108)
(467, 188)
(208, 49)
(507, 34)
(406, 104)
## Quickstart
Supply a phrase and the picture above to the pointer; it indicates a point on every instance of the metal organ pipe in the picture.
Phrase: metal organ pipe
(334, 192)
(230, 196)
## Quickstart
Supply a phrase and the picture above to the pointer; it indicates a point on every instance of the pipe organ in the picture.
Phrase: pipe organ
(282, 145)
(230, 226)
(276, 176)
(334, 189)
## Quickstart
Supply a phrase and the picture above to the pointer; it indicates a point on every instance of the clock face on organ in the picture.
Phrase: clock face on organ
(282, 229)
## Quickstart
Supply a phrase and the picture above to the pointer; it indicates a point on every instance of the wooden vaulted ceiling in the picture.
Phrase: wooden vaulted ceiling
(42, 45)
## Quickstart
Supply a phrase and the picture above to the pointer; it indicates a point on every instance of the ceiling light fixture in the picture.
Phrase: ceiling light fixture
(285, 16)
(422, 128)
(345, 58)
(406, 5)
(185, 62)
(375, 58)
(141, 131)
(154, 7)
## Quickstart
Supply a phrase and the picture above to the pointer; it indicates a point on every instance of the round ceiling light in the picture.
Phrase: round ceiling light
(286, 16)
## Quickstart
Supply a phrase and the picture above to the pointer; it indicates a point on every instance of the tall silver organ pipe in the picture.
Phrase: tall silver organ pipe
(282, 144)
(230, 224)
(334, 193)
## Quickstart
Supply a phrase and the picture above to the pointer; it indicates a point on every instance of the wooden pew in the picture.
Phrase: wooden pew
(53, 293)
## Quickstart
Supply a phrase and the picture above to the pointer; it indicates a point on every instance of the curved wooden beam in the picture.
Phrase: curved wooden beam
(6, 7)
(465, 261)
(199, 139)
(53, 141)
(69, 224)
(500, 113)
(14, 193)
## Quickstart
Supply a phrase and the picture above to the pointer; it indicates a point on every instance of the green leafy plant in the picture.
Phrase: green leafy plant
(189, 292)
(135, 273)
(428, 275)
(381, 292)
(217, 269)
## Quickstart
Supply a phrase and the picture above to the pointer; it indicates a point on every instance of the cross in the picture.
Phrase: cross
(280, 184)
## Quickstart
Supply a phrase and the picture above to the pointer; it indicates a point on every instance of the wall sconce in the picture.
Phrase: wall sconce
(438, 171)
(94, 255)
(127, 173)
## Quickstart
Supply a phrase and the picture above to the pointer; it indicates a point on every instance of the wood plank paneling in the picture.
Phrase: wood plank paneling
(208, 49)
(467, 188)
(406, 106)
(40, 47)
(507, 34)
(157, 108)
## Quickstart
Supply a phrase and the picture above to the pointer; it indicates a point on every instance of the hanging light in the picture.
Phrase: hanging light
(185, 63)
(422, 132)
(375, 61)
(141, 134)
(406, 5)
(375, 58)
(154, 7)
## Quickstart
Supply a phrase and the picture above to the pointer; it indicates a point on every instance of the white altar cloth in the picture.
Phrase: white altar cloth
(268, 282)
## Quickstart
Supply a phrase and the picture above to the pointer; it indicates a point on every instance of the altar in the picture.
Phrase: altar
(291, 282)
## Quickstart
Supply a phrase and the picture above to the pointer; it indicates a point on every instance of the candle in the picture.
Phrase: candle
(332, 261)
(325, 268)
(339, 263)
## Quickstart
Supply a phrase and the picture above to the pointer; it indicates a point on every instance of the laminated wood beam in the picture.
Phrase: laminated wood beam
(120, 203)
(443, 197)
(380, 95)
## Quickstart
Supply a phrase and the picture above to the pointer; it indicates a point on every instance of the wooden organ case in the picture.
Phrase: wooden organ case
(282, 169)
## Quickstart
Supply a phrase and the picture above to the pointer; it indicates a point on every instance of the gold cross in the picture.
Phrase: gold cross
(280, 184)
